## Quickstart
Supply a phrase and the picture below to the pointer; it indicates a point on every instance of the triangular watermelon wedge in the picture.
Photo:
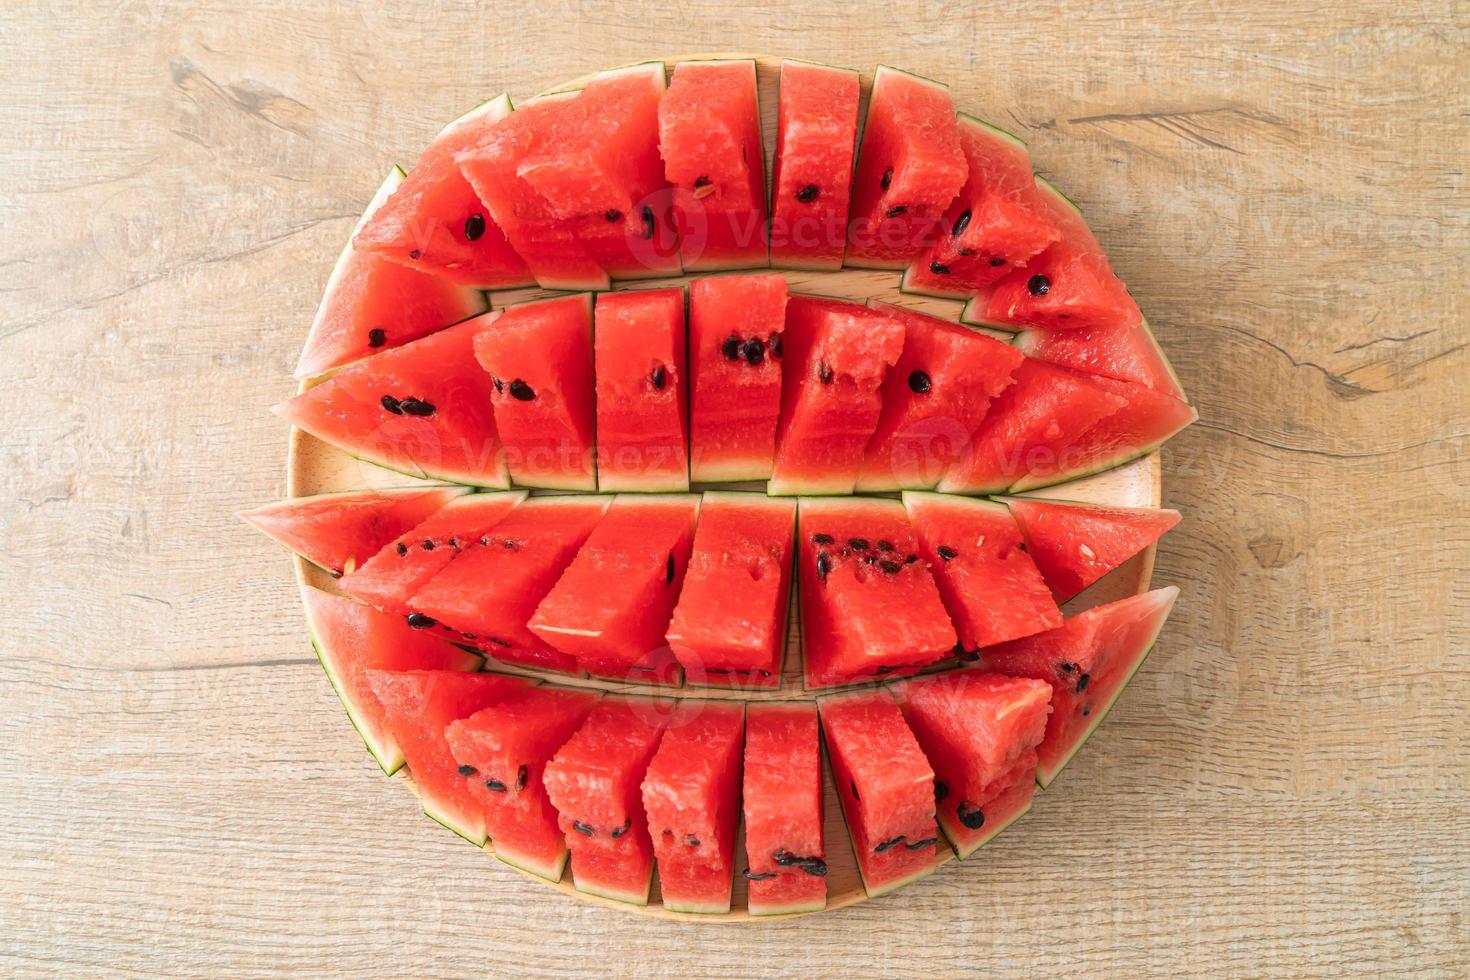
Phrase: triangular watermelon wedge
(1123, 351)
(1075, 544)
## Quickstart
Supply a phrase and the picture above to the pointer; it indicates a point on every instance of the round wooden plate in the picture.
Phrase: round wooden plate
(314, 467)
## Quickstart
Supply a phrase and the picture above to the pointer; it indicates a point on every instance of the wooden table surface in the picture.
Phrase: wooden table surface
(1282, 790)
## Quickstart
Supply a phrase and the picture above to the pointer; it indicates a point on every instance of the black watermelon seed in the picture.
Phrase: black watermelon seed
(613, 214)
(391, 404)
(1021, 546)
(852, 785)
(919, 845)
(419, 621)
(1038, 285)
(499, 385)
(754, 351)
(997, 262)
(691, 840)
(499, 642)
(870, 559)
(919, 382)
(659, 378)
(775, 346)
(620, 831)
(887, 178)
(510, 545)
(1068, 668)
(785, 858)
(377, 337)
(495, 786)
(582, 828)
(947, 553)
(417, 407)
(896, 210)
(454, 543)
(891, 842)
(890, 567)
(485, 541)
(648, 223)
(1087, 711)
(885, 545)
(815, 867)
(821, 539)
(911, 559)
(521, 778)
(731, 348)
(415, 255)
(961, 223)
(808, 194)
(428, 544)
(701, 181)
(1082, 682)
(474, 227)
(402, 549)
(940, 791)
(824, 565)
(939, 268)
(521, 391)
(824, 372)
(858, 544)
(967, 251)
(669, 570)
(758, 875)
(970, 815)
(467, 770)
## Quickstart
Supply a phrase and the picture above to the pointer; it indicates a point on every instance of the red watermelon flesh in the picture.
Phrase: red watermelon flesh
(910, 167)
(502, 753)
(979, 732)
(1127, 353)
(710, 140)
(352, 639)
(934, 398)
(422, 409)
(642, 415)
(989, 583)
(995, 225)
(436, 222)
(782, 801)
(340, 531)
(729, 627)
(1028, 427)
(595, 781)
(816, 134)
(886, 787)
(691, 795)
(736, 326)
(1074, 545)
(836, 355)
(418, 705)
(539, 357)
(488, 593)
(869, 606)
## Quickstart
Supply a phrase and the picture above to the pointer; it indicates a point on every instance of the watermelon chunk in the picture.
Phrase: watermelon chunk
(735, 348)
(1074, 545)
(709, 135)
(989, 584)
(816, 134)
(869, 605)
(934, 398)
(422, 409)
(910, 167)
(595, 781)
(886, 787)
(1127, 353)
(979, 732)
(729, 627)
(691, 795)
(502, 753)
(339, 531)
(352, 639)
(642, 416)
(1088, 661)
(782, 800)
(539, 357)
(418, 705)
(836, 356)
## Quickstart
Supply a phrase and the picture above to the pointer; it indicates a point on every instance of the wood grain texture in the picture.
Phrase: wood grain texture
(1282, 790)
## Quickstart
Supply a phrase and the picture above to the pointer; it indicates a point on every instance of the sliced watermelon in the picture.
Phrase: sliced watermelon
(709, 128)
(816, 134)
(422, 409)
(729, 628)
(539, 357)
(691, 794)
(434, 221)
(910, 167)
(417, 706)
(1127, 353)
(869, 606)
(979, 732)
(501, 753)
(642, 415)
(594, 781)
(989, 583)
(836, 356)
(1088, 660)
(339, 531)
(735, 346)
(886, 787)
(1074, 545)
(782, 800)
(934, 398)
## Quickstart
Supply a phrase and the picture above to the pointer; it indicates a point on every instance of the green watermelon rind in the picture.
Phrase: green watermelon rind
(955, 834)
(499, 106)
(1027, 484)
(448, 823)
(612, 895)
(553, 875)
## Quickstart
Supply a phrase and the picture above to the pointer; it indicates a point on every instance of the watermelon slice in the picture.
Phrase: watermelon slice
(729, 628)
(989, 583)
(1074, 545)
(709, 135)
(352, 639)
(434, 221)
(869, 606)
(488, 593)
(910, 167)
(422, 409)
(594, 781)
(816, 133)
(979, 732)
(1088, 661)
(691, 794)
(934, 398)
(539, 357)
(783, 809)
(1127, 353)
(501, 753)
(339, 531)
(735, 345)
(886, 787)
(836, 356)
(642, 416)
(417, 706)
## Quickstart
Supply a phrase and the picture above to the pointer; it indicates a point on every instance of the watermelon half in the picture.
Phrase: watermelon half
(642, 386)
(816, 135)
(782, 802)
(1074, 544)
